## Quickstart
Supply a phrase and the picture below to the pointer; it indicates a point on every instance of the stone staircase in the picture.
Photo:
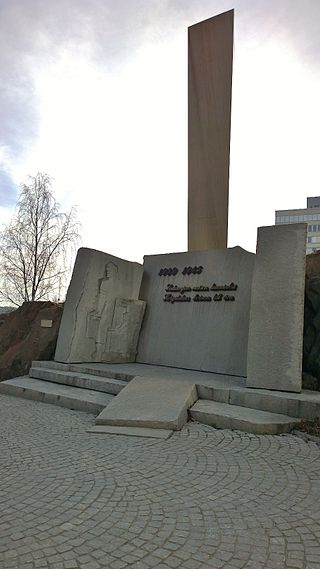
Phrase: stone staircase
(226, 416)
(152, 400)
(258, 411)
(73, 386)
(304, 405)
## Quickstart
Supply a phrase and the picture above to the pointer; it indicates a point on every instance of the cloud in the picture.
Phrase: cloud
(34, 33)
(8, 190)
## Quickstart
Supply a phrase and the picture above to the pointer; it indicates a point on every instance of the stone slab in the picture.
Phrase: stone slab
(305, 404)
(210, 50)
(102, 314)
(207, 335)
(99, 369)
(277, 309)
(224, 416)
(62, 395)
(131, 431)
(159, 404)
(128, 371)
(221, 394)
(76, 379)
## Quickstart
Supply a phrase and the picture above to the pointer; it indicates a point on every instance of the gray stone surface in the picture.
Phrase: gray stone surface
(277, 309)
(130, 431)
(224, 416)
(224, 389)
(305, 404)
(202, 499)
(56, 394)
(210, 53)
(76, 379)
(102, 314)
(128, 371)
(209, 336)
(214, 393)
(160, 404)
(99, 369)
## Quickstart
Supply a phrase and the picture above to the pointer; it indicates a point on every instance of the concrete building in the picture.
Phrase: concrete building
(309, 215)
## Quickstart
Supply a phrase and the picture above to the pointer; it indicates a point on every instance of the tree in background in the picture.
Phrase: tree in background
(36, 244)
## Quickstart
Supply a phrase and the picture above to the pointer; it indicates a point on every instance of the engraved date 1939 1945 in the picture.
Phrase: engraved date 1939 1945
(172, 271)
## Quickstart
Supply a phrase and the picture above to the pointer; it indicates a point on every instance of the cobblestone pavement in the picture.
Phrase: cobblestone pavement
(202, 499)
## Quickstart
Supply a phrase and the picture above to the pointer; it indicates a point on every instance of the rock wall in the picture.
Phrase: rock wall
(311, 342)
(29, 333)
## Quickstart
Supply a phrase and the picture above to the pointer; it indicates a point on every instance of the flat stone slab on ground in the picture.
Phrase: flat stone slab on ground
(155, 404)
(131, 431)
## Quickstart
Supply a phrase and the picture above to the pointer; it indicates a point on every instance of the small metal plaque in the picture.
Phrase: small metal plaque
(46, 323)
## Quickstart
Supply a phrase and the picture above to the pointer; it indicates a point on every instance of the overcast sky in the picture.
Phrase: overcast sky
(94, 93)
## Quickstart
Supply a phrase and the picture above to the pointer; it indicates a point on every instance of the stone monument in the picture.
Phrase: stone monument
(197, 314)
(211, 309)
(277, 309)
(209, 109)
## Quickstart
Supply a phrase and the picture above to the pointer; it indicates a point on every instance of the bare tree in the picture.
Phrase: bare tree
(34, 246)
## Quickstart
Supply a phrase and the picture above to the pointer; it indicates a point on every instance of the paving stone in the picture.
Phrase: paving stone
(71, 564)
(204, 498)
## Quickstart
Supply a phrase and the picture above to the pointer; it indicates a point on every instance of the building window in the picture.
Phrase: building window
(314, 227)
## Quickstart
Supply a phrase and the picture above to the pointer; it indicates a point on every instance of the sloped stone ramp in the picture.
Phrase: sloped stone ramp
(160, 404)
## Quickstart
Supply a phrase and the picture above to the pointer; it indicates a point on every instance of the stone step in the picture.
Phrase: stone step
(87, 368)
(303, 405)
(225, 416)
(62, 395)
(150, 403)
(130, 431)
(76, 379)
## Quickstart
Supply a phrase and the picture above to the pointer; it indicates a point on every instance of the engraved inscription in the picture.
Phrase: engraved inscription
(231, 286)
(176, 293)
(168, 272)
(175, 288)
(201, 298)
(218, 297)
(192, 270)
(181, 298)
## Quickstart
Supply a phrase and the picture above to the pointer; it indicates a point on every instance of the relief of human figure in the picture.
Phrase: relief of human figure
(100, 318)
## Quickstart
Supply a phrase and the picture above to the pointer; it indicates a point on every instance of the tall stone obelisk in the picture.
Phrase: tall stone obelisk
(209, 111)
